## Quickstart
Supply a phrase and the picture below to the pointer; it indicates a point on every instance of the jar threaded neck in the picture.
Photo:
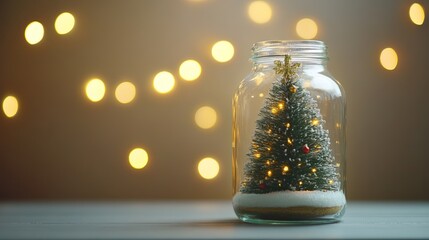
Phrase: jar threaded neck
(299, 50)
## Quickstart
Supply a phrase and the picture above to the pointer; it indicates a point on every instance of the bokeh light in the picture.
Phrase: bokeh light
(10, 106)
(259, 12)
(34, 33)
(64, 23)
(190, 70)
(163, 82)
(138, 158)
(389, 58)
(417, 14)
(208, 168)
(125, 92)
(222, 51)
(205, 117)
(306, 28)
(95, 90)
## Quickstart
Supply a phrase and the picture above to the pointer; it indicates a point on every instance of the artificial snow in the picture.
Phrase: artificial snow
(286, 199)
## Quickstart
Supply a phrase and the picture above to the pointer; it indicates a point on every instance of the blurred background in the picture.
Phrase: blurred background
(132, 99)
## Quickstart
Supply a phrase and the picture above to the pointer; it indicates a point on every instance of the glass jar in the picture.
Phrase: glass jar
(289, 137)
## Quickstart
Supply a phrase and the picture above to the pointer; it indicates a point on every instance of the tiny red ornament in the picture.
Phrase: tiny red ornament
(305, 149)
(262, 186)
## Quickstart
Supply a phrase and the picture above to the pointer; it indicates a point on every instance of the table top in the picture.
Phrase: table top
(200, 220)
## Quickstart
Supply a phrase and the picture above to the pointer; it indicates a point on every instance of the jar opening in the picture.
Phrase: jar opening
(299, 50)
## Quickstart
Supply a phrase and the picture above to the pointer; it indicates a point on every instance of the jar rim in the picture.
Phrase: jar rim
(311, 49)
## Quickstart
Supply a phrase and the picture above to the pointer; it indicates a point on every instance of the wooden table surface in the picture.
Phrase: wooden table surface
(200, 220)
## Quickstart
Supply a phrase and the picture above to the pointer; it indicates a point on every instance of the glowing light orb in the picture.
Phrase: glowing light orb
(389, 58)
(34, 33)
(190, 70)
(223, 51)
(306, 28)
(64, 23)
(138, 158)
(163, 82)
(10, 106)
(125, 92)
(417, 14)
(205, 117)
(259, 12)
(208, 168)
(95, 90)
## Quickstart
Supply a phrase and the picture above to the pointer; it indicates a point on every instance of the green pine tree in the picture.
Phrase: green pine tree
(290, 148)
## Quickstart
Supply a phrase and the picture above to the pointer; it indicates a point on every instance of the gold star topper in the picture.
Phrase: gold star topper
(287, 69)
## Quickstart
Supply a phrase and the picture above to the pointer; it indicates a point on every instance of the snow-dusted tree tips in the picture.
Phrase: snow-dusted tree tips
(290, 148)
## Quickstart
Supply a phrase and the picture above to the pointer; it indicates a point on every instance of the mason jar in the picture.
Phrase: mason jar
(289, 137)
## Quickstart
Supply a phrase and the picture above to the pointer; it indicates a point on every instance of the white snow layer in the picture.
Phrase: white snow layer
(286, 199)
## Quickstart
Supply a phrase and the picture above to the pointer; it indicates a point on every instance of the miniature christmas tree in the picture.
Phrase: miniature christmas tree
(290, 148)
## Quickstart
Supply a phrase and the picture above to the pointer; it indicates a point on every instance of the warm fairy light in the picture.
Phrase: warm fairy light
(315, 122)
(267, 162)
(208, 168)
(331, 181)
(337, 125)
(306, 28)
(205, 117)
(269, 173)
(190, 70)
(337, 165)
(257, 155)
(163, 82)
(389, 58)
(222, 51)
(300, 182)
(292, 89)
(337, 142)
(268, 148)
(64, 23)
(274, 110)
(269, 131)
(318, 147)
(10, 106)
(261, 95)
(313, 170)
(417, 14)
(95, 89)
(289, 141)
(34, 32)
(125, 92)
(259, 12)
(281, 106)
(285, 168)
(138, 158)
(287, 125)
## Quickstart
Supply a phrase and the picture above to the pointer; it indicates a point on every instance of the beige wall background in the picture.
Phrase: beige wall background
(61, 146)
